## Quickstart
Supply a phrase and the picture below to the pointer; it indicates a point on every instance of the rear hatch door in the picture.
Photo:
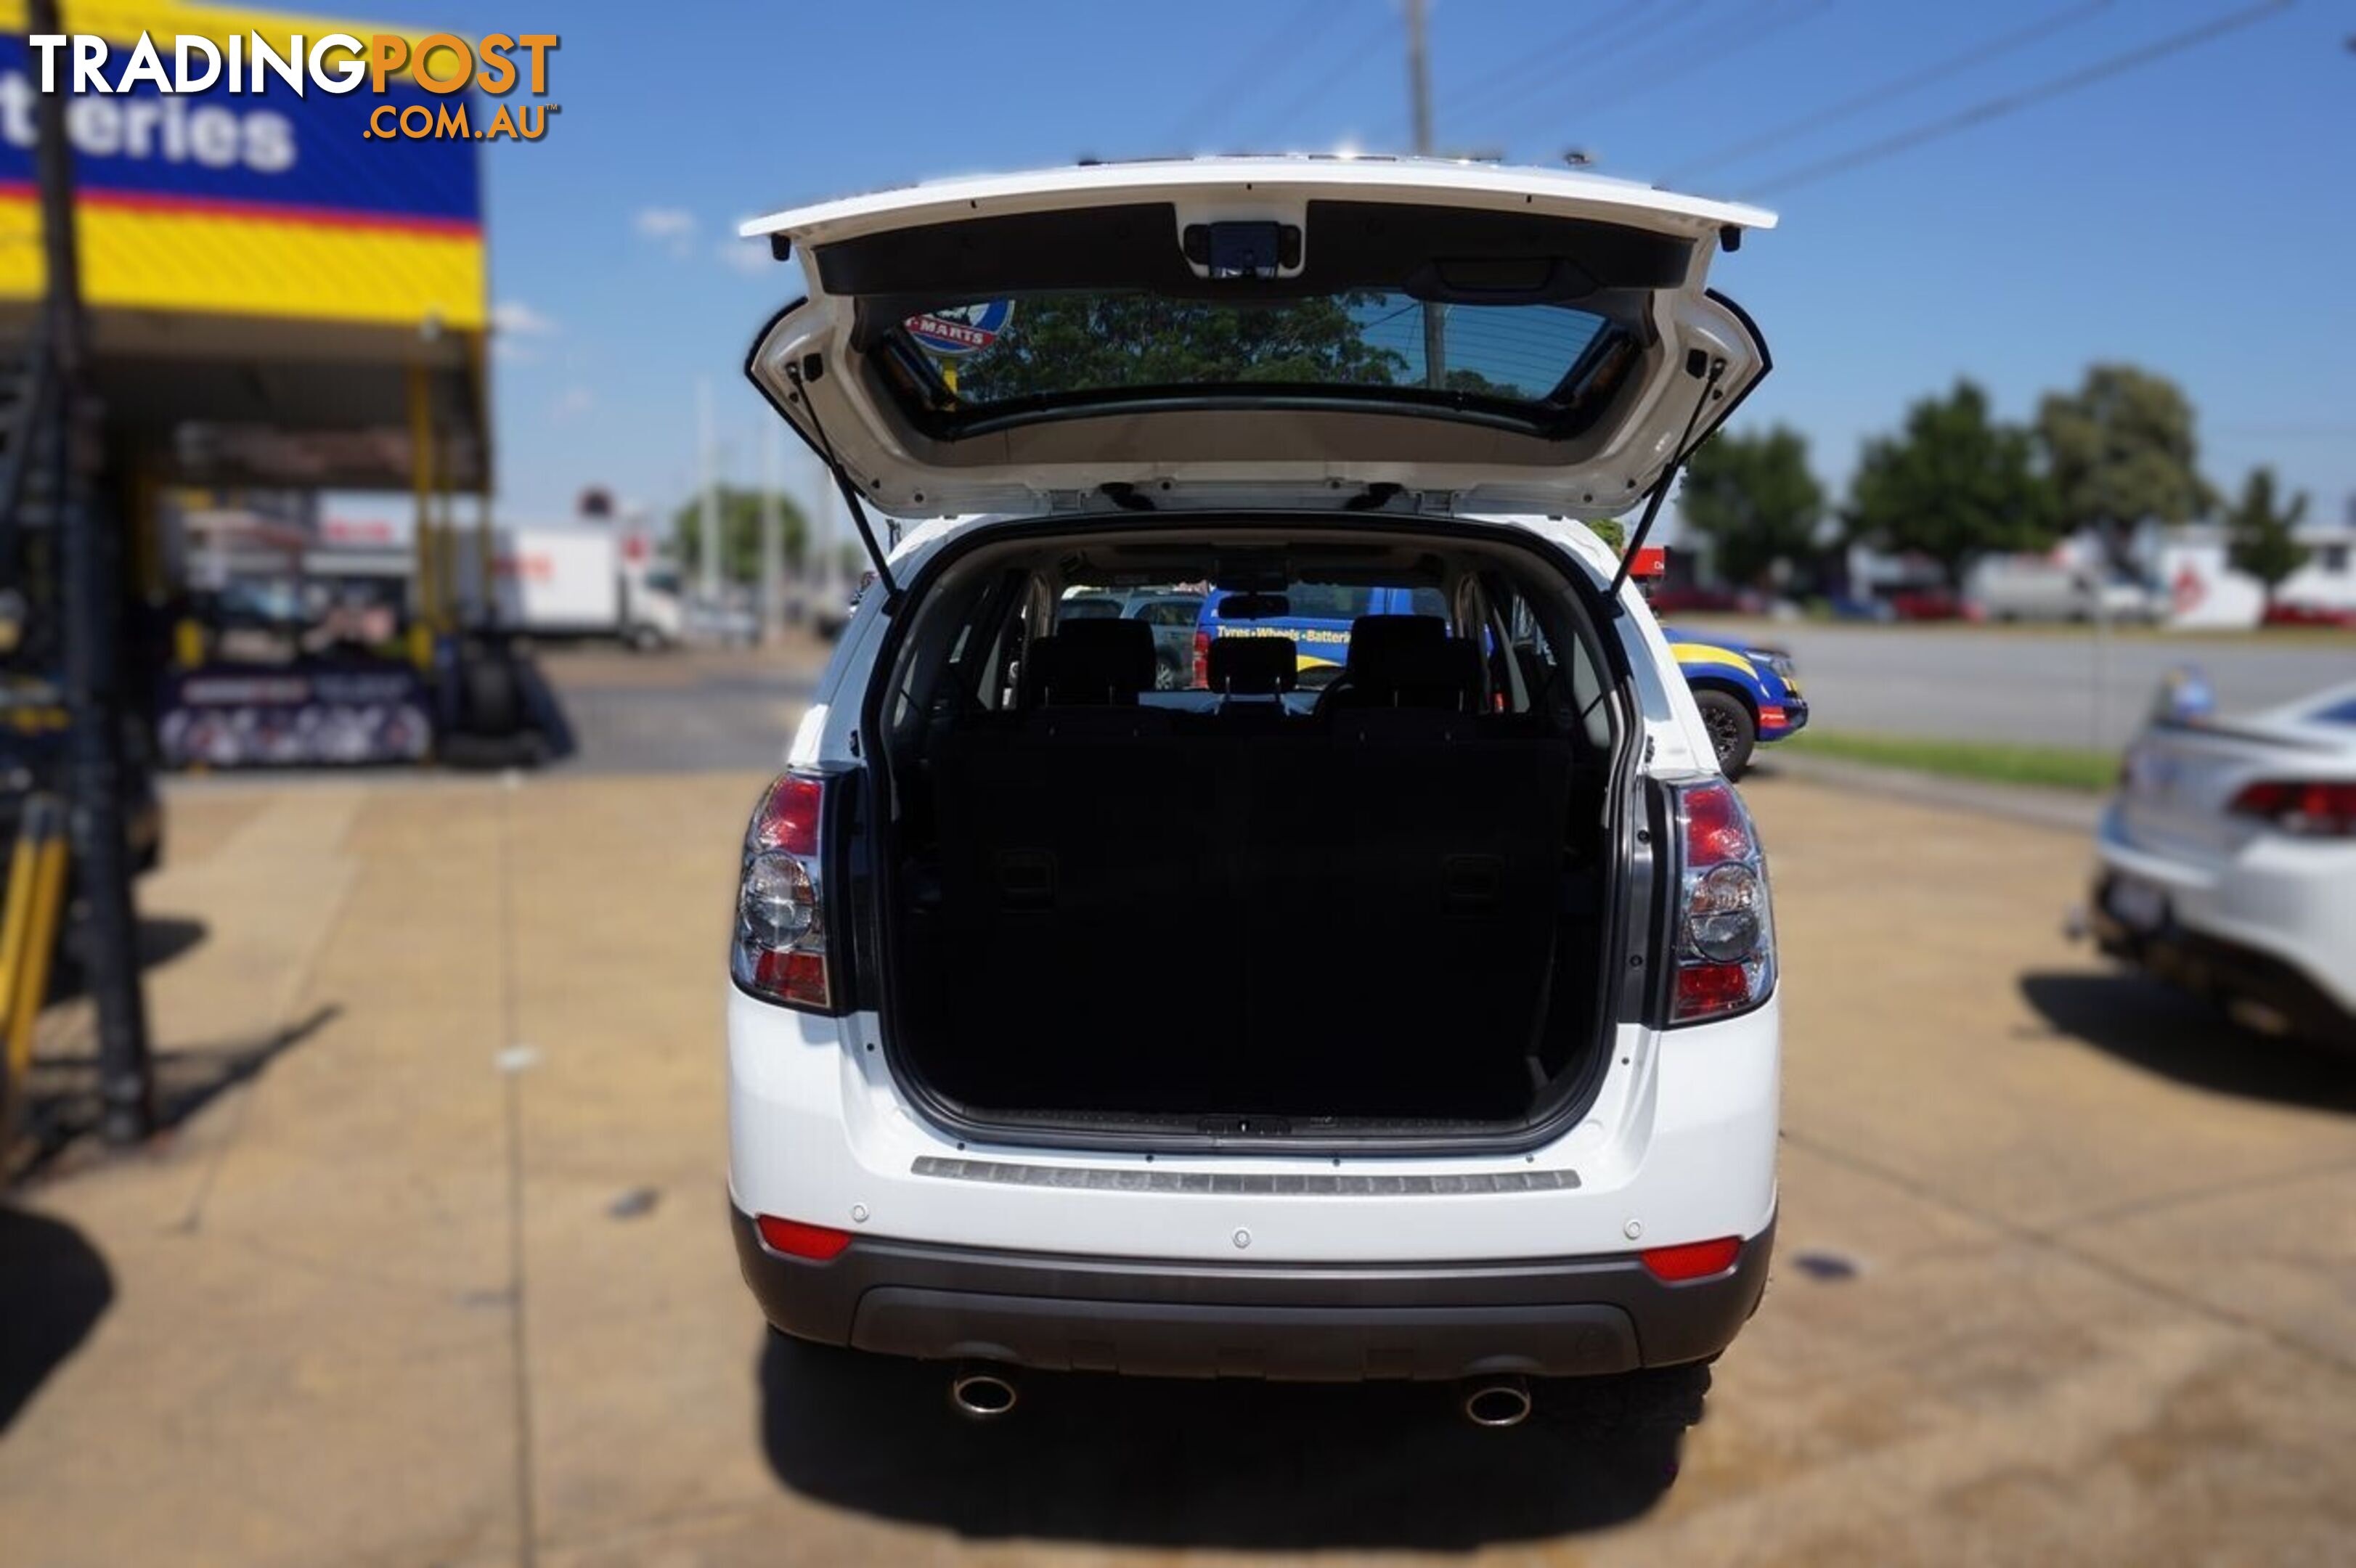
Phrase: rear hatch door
(1258, 331)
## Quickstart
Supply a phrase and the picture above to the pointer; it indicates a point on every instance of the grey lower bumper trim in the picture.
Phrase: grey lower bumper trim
(1546, 1317)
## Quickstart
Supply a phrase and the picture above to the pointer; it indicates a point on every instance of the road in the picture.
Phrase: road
(687, 710)
(434, 1263)
(2034, 686)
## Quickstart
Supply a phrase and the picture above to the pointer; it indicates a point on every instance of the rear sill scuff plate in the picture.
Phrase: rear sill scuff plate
(1007, 1173)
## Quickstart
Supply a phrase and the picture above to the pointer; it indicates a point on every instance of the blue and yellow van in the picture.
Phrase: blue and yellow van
(1317, 620)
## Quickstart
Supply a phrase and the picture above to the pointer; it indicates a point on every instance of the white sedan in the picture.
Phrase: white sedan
(2227, 863)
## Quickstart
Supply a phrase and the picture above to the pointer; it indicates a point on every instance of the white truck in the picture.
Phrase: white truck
(587, 582)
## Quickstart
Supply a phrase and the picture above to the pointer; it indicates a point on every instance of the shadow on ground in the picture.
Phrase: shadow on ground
(53, 1287)
(61, 1092)
(2162, 1029)
(1272, 1467)
(162, 939)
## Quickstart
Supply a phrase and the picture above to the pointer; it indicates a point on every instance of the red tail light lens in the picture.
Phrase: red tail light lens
(1202, 657)
(779, 952)
(2312, 808)
(1695, 1260)
(796, 1239)
(1725, 956)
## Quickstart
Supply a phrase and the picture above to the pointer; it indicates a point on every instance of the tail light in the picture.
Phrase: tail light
(1202, 659)
(1724, 958)
(2312, 808)
(780, 953)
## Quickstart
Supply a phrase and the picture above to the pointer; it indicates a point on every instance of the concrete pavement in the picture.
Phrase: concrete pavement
(2068, 1266)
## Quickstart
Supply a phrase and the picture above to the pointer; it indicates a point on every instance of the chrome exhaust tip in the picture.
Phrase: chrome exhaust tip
(982, 1393)
(1496, 1401)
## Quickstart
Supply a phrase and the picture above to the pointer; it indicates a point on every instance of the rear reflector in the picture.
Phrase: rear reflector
(1704, 989)
(1695, 1260)
(792, 977)
(796, 1239)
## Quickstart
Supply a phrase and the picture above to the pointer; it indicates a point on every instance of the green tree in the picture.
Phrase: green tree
(1953, 483)
(2260, 540)
(1752, 497)
(1060, 341)
(2121, 452)
(740, 533)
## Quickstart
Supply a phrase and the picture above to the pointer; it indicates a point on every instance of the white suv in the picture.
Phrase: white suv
(1421, 1025)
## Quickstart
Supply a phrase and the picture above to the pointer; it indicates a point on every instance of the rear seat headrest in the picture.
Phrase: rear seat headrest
(1253, 666)
(1090, 662)
(1410, 661)
(1379, 643)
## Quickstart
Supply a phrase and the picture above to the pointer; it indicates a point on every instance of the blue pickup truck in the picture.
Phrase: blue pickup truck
(1748, 694)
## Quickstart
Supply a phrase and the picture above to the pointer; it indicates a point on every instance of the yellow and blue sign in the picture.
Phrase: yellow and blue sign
(269, 203)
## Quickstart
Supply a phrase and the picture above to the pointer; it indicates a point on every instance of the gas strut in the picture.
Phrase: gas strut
(850, 491)
(1685, 448)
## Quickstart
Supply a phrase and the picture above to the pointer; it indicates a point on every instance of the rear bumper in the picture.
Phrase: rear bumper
(1294, 1322)
(2214, 964)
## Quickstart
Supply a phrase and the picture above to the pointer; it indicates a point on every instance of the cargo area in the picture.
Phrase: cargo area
(1115, 905)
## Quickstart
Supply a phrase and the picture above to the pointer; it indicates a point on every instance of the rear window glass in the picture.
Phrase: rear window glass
(2341, 713)
(1045, 351)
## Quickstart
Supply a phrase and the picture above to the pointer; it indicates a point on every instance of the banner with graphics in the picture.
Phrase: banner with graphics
(265, 203)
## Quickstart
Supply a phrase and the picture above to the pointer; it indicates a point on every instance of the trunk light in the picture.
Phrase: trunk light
(1725, 942)
(796, 1239)
(779, 952)
(1695, 1260)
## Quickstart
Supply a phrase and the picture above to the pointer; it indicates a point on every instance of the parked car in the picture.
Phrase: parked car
(1926, 604)
(2279, 613)
(1697, 601)
(2227, 860)
(1748, 694)
(1172, 613)
(1424, 1026)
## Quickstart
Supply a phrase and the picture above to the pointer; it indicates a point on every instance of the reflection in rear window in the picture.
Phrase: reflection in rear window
(1058, 349)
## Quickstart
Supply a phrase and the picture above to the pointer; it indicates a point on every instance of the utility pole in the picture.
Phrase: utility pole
(1419, 82)
(88, 597)
(707, 577)
(772, 534)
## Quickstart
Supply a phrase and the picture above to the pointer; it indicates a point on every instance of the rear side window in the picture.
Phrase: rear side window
(1169, 613)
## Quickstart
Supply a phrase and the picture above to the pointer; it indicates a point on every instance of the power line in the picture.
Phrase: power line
(1215, 106)
(1308, 97)
(1593, 42)
(2012, 102)
(1897, 88)
(1643, 77)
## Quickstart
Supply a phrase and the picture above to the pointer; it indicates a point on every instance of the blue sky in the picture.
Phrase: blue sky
(2196, 216)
